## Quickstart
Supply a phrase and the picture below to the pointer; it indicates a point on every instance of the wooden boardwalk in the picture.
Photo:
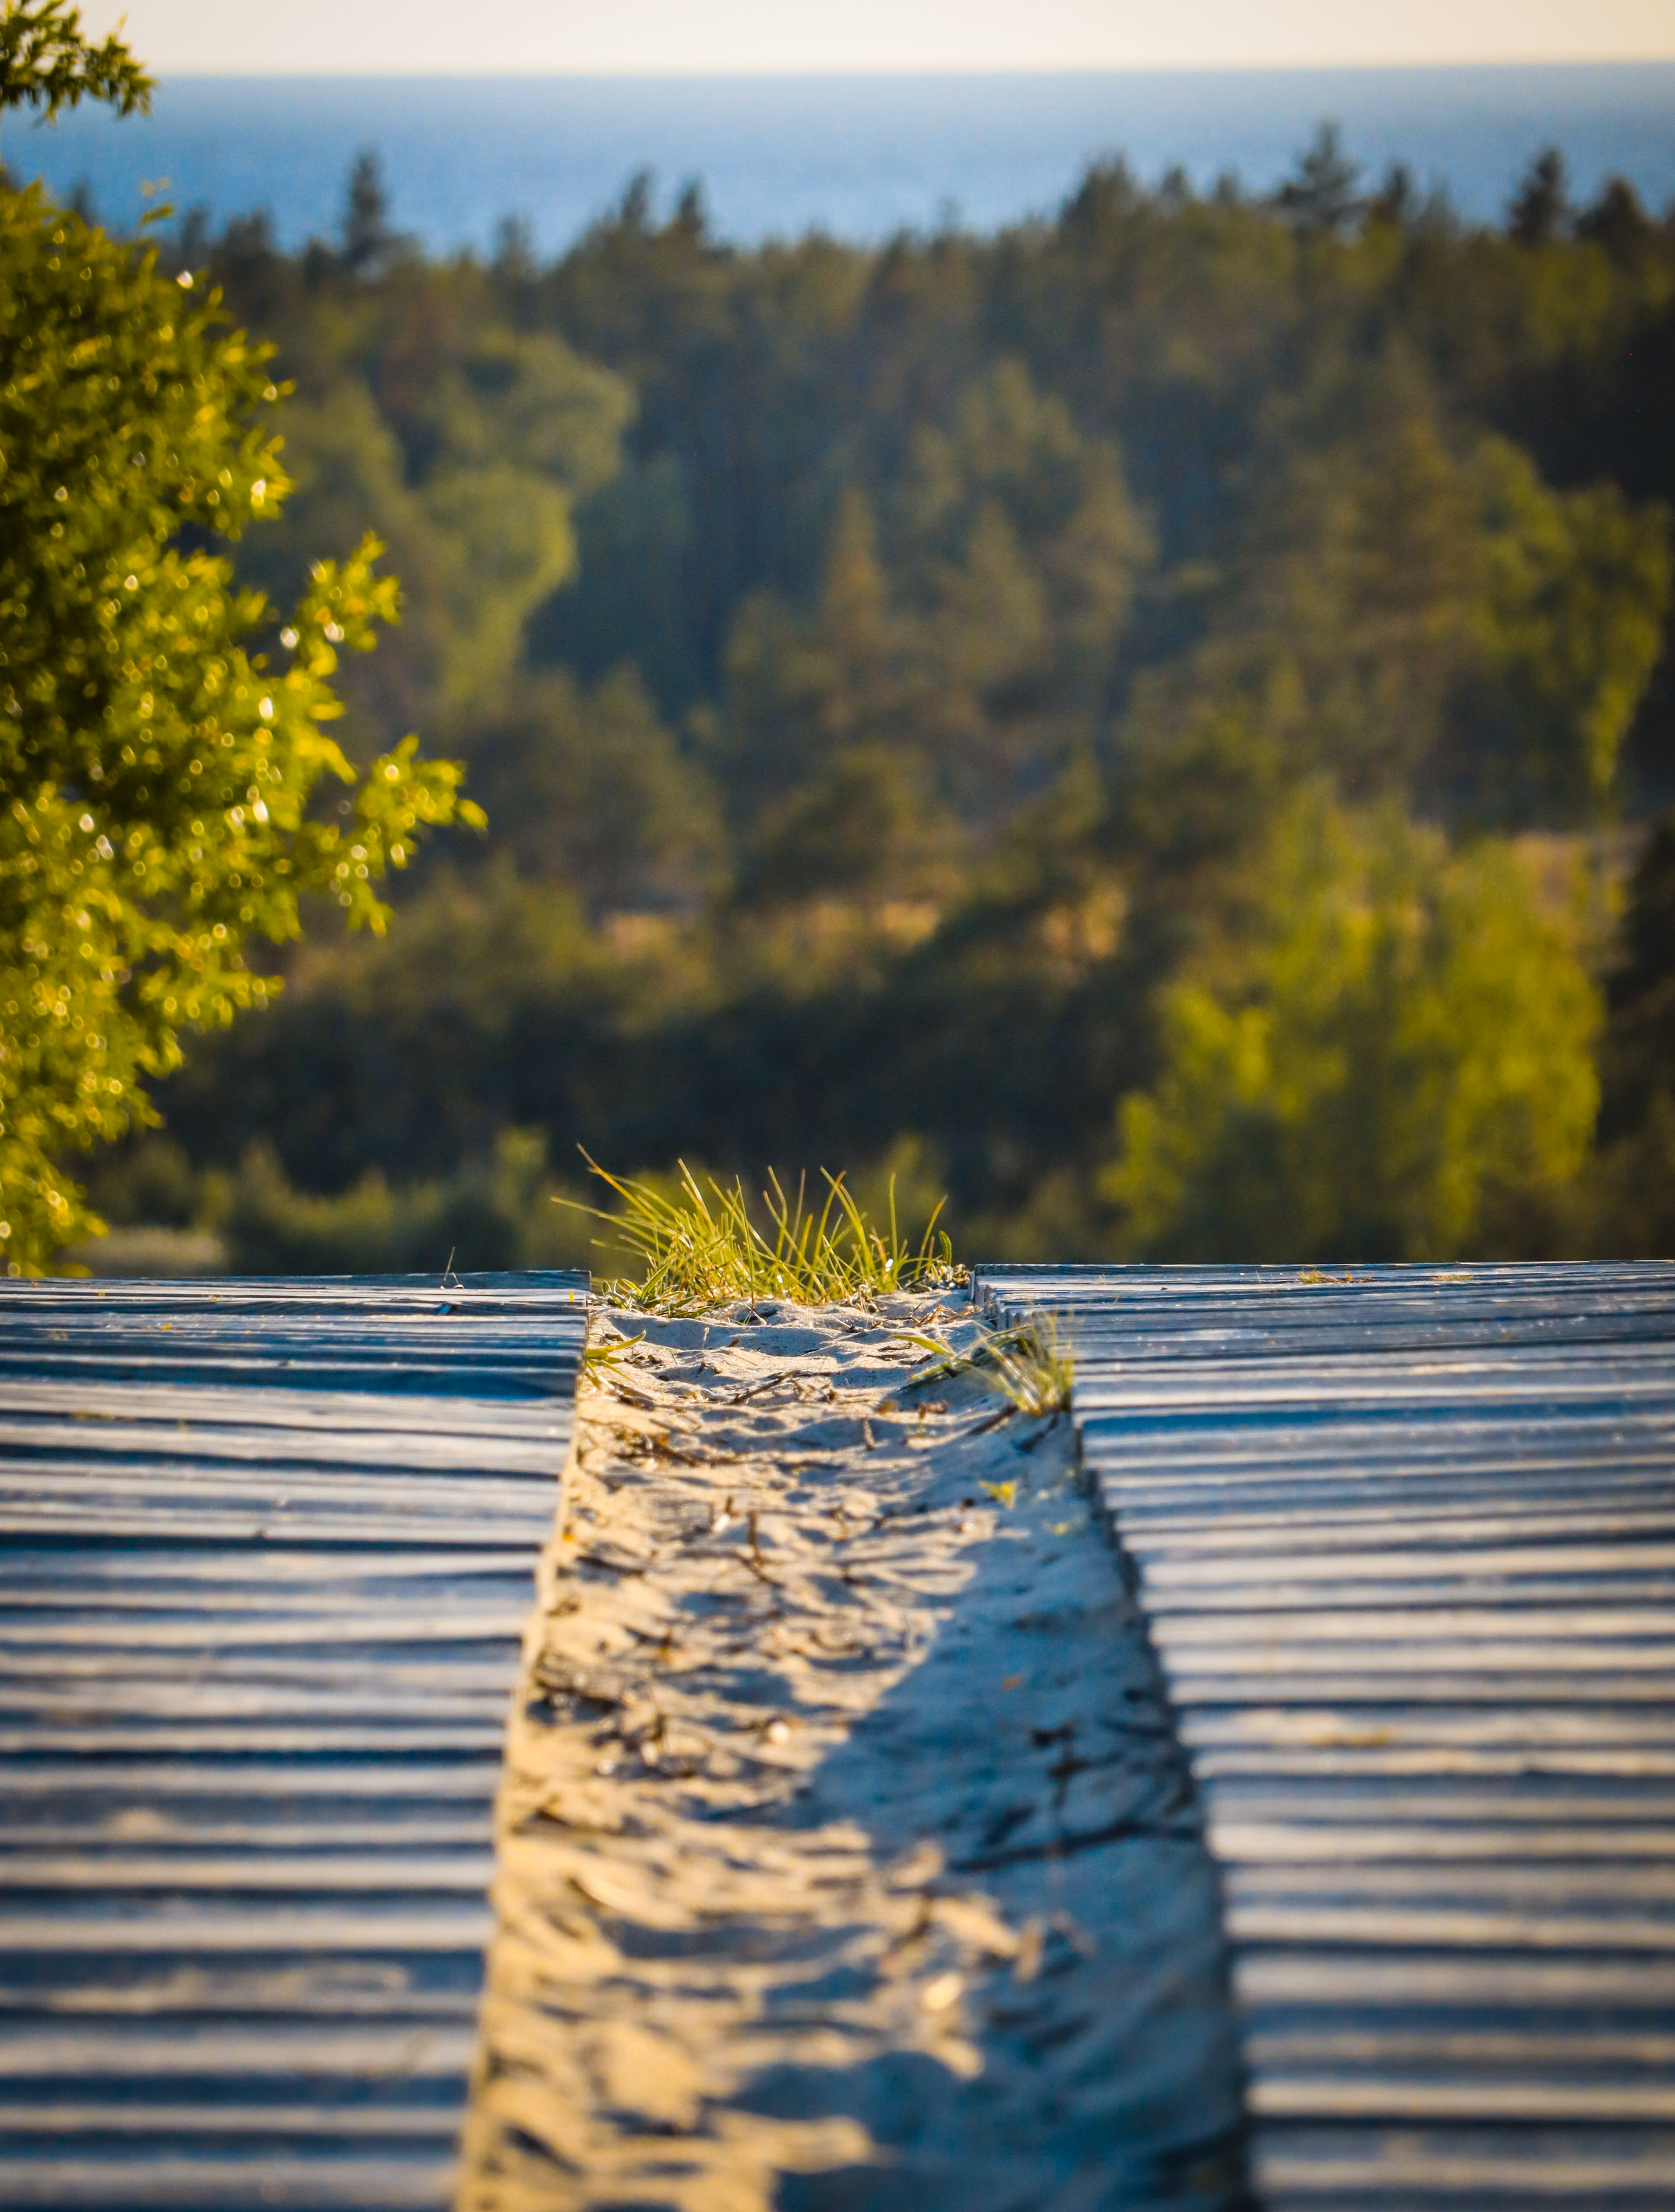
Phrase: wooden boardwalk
(1405, 1541)
(266, 1552)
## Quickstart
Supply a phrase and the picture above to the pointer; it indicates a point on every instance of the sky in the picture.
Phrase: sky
(701, 37)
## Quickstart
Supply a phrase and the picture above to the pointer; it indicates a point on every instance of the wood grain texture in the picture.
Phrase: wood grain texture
(266, 1558)
(1405, 1538)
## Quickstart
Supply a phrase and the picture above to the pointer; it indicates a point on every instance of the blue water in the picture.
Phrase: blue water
(859, 157)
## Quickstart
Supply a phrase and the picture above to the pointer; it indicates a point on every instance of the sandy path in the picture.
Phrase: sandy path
(846, 1858)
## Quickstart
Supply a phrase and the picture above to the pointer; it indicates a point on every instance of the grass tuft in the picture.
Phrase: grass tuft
(1032, 1370)
(700, 1248)
(1028, 1364)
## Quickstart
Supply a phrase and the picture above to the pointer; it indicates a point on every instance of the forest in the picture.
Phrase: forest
(1156, 722)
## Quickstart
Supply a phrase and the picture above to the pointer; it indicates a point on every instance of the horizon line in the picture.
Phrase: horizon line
(679, 74)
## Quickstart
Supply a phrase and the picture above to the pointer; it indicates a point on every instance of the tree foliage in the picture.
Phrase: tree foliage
(899, 675)
(1575, 591)
(1398, 1052)
(46, 63)
(160, 777)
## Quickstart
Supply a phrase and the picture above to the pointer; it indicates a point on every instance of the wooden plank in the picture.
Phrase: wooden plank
(252, 1529)
(115, 1830)
(406, 1740)
(321, 1871)
(1449, 1984)
(1610, 1881)
(72, 1638)
(1321, 1533)
(153, 1780)
(406, 1928)
(80, 2182)
(265, 1560)
(1467, 1724)
(1544, 1799)
(1374, 1688)
(1612, 2176)
(1406, 1542)
(1600, 2169)
(1519, 1761)
(56, 2052)
(44, 1575)
(1388, 2095)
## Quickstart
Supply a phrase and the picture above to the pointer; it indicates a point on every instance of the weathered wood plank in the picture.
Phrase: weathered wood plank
(80, 2181)
(428, 1739)
(406, 1928)
(322, 1871)
(1405, 1540)
(265, 1560)
(1603, 2170)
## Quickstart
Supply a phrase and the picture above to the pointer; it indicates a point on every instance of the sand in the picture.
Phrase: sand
(847, 1858)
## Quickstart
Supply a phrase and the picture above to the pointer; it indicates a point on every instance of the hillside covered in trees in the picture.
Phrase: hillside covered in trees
(1153, 721)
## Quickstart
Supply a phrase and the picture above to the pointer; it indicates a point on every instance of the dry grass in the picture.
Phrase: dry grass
(700, 1248)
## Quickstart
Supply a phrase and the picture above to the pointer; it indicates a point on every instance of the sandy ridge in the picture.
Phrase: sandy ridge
(846, 1858)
